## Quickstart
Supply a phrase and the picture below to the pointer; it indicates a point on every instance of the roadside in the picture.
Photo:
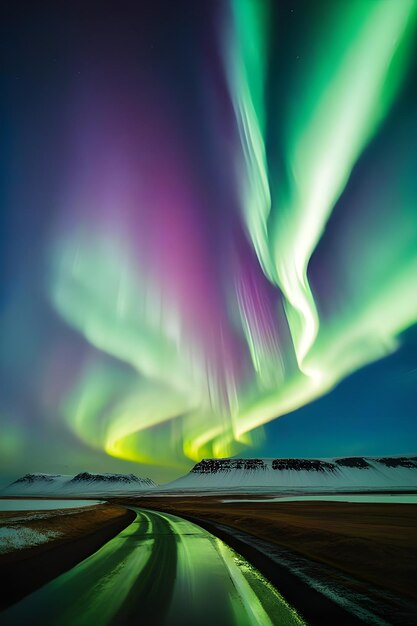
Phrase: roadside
(38, 546)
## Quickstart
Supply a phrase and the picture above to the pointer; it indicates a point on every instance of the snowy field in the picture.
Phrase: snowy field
(16, 538)
(43, 505)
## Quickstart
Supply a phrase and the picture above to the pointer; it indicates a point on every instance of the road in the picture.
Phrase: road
(161, 570)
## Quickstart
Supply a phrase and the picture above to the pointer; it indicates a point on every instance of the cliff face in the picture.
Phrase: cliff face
(391, 473)
(214, 466)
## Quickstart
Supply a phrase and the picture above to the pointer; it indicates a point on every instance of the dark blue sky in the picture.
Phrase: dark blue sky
(121, 119)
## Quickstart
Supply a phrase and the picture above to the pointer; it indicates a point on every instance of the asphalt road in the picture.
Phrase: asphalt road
(161, 570)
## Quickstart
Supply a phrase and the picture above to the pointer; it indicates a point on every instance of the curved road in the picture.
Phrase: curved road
(161, 570)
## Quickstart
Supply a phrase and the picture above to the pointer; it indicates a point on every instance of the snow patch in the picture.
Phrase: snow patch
(17, 538)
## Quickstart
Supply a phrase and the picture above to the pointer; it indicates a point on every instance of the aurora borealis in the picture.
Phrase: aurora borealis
(210, 226)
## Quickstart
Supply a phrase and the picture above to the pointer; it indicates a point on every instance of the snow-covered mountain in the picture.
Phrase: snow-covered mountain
(37, 484)
(347, 473)
(84, 483)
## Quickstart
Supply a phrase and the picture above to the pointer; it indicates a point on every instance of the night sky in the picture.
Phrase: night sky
(208, 232)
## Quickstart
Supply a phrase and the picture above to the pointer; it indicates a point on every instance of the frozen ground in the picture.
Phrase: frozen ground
(18, 537)
(43, 505)
(15, 533)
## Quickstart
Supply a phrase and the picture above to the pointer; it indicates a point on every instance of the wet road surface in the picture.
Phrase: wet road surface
(160, 570)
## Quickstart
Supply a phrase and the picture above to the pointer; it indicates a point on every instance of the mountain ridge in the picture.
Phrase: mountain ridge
(329, 473)
(38, 483)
